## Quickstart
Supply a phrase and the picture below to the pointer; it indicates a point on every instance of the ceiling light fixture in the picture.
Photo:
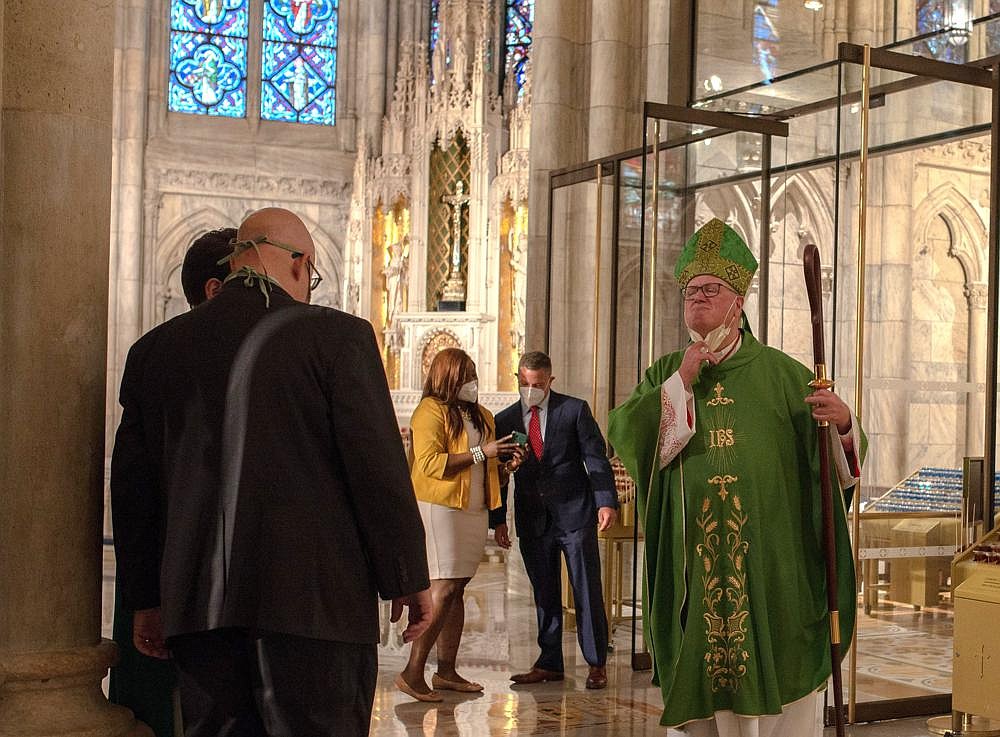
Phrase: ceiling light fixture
(713, 84)
(958, 22)
(815, 5)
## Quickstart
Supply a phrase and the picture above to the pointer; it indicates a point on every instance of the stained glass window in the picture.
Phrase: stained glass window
(435, 24)
(932, 16)
(208, 57)
(993, 30)
(517, 38)
(299, 61)
(765, 38)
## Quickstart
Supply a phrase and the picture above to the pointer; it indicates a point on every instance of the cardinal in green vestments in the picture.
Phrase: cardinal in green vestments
(721, 441)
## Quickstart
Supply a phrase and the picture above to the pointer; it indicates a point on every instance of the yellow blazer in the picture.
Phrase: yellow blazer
(431, 447)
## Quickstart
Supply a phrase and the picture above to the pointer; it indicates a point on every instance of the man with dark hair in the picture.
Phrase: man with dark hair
(202, 273)
(142, 683)
(262, 501)
(564, 491)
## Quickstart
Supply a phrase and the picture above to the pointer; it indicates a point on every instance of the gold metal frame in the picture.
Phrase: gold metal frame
(597, 283)
(859, 348)
(653, 242)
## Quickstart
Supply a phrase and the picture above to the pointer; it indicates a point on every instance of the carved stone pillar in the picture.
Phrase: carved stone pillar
(975, 403)
(127, 206)
(55, 142)
(658, 51)
(373, 26)
(888, 314)
(556, 131)
(612, 125)
(860, 22)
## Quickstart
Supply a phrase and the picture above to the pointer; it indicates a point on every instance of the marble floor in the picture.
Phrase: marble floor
(901, 653)
(500, 637)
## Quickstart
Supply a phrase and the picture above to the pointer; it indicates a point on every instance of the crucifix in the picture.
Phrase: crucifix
(453, 296)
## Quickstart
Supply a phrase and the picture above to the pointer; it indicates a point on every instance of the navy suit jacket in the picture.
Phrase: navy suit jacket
(572, 479)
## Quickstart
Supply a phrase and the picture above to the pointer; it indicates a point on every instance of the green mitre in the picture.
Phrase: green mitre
(718, 250)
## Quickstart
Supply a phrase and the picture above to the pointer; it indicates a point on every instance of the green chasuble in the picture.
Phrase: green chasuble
(735, 610)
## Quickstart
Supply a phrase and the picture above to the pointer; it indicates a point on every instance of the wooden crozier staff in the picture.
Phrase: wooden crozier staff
(810, 263)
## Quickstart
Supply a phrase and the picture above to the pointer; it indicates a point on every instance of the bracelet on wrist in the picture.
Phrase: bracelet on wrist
(478, 456)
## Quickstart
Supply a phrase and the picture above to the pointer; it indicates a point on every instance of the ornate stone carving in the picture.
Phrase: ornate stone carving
(396, 274)
(968, 153)
(518, 246)
(826, 279)
(357, 223)
(432, 344)
(352, 295)
(977, 295)
(402, 96)
(263, 186)
(436, 96)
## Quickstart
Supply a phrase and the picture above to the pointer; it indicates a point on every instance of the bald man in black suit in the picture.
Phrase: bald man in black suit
(262, 502)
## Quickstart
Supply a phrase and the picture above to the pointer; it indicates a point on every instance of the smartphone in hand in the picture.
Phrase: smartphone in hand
(519, 438)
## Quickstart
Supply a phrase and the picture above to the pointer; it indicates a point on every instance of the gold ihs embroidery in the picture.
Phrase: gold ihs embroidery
(721, 438)
(725, 591)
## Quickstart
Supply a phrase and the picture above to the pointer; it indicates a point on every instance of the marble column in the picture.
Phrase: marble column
(392, 42)
(889, 314)
(54, 234)
(373, 28)
(659, 47)
(829, 19)
(612, 124)
(860, 22)
(127, 161)
(975, 403)
(409, 21)
(558, 136)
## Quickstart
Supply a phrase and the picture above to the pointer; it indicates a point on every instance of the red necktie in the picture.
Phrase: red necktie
(535, 434)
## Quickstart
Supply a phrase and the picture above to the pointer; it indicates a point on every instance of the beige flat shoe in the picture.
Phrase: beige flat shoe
(430, 696)
(463, 686)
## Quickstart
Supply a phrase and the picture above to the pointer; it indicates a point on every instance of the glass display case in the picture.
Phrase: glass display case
(886, 160)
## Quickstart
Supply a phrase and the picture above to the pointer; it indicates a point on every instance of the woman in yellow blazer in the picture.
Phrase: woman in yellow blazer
(456, 479)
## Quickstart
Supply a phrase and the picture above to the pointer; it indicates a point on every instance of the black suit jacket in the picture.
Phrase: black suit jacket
(572, 479)
(258, 478)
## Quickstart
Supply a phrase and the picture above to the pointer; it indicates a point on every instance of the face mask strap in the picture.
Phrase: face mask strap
(251, 277)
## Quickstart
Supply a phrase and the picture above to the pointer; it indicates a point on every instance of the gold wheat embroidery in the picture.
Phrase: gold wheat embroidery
(725, 596)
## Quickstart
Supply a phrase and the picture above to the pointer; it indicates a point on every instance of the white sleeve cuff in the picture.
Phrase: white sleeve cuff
(676, 409)
(845, 473)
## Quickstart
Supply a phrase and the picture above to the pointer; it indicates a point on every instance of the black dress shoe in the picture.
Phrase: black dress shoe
(537, 675)
(598, 677)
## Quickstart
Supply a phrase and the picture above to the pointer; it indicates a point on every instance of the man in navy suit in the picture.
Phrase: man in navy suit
(564, 492)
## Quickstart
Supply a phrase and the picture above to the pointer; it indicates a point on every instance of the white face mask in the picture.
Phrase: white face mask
(469, 392)
(716, 335)
(532, 396)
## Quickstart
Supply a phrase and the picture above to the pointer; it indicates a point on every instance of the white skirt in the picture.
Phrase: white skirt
(456, 539)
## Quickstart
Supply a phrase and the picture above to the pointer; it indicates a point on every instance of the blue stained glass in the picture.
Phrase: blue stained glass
(221, 17)
(301, 21)
(993, 30)
(931, 17)
(435, 24)
(520, 19)
(765, 39)
(299, 61)
(208, 57)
